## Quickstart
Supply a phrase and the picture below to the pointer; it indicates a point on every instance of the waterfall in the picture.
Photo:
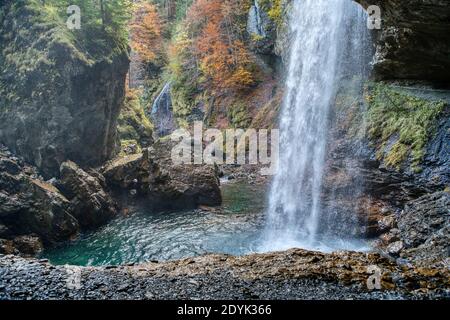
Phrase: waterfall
(256, 25)
(162, 115)
(324, 31)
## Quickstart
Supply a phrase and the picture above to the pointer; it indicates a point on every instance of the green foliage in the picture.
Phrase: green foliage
(182, 102)
(238, 116)
(274, 9)
(37, 46)
(133, 124)
(208, 54)
(394, 113)
(183, 74)
(182, 8)
(103, 23)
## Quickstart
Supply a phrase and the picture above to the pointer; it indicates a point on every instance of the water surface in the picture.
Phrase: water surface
(145, 236)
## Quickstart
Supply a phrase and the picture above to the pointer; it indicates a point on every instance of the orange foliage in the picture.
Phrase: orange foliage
(223, 58)
(146, 32)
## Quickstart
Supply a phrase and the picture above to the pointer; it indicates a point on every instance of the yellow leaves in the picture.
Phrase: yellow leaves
(242, 77)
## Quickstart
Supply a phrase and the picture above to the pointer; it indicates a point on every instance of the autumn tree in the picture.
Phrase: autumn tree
(218, 44)
(146, 33)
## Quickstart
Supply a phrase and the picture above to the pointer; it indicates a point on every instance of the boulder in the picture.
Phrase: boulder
(28, 245)
(89, 203)
(129, 172)
(7, 247)
(163, 184)
(395, 248)
(387, 223)
(390, 237)
(29, 205)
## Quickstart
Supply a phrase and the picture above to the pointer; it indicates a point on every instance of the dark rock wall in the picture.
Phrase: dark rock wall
(56, 102)
(414, 40)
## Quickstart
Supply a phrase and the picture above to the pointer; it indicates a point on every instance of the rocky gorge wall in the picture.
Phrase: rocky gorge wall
(404, 206)
(62, 113)
(58, 101)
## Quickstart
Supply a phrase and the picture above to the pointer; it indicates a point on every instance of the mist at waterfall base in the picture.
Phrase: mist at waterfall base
(328, 44)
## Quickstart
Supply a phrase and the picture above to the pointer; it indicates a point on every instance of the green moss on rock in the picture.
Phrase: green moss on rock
(400, 124)
(134, 126)
(60, 90)
(274, 9)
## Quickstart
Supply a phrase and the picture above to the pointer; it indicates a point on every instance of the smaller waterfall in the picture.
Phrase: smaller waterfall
(161, 114)
(255, 23)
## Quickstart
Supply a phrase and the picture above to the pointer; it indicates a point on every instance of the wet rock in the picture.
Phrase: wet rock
(371, 213)
(28, 245)
(392, 236)
(436, 162)
(293, 274)
(387, 223)
(425, 228)
(75, 116)
(424, 217)
(395, 247)
(89, 203)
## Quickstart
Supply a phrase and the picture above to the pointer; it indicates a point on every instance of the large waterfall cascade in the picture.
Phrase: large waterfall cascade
(328, 42)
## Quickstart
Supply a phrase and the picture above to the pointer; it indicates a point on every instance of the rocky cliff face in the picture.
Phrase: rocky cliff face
(35, 213)
(31, 207)
(57, 102)
(414, 42)
(400, 202)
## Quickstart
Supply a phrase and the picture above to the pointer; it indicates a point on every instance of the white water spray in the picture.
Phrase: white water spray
(323, 33)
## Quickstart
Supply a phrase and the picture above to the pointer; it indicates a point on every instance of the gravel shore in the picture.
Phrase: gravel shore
(294, 274)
